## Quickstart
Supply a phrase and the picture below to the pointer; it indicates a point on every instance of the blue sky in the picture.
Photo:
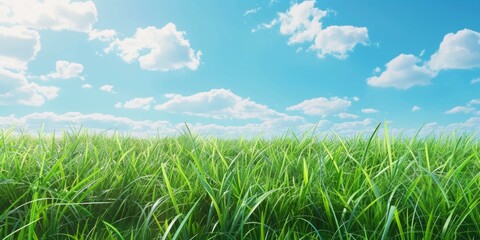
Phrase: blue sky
(239, 67)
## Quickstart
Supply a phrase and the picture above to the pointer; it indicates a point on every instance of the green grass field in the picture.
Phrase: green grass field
(94, 186)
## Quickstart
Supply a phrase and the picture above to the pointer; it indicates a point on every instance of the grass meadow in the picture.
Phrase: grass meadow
(97, 186)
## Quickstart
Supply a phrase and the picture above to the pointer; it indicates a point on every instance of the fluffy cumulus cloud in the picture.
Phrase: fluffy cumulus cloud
(303, 23)
(338, 41)
(460, 50)
(65, 70)
(369, 110)
(136, 103)
(322, 106)
(86, 85)
(49, 14)
(18, 46)
(163, 49)
(403, 72)
(218, 104)
(20, 21)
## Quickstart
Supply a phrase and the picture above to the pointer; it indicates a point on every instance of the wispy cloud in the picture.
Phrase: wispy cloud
(475, 81)
(460, 109)
(345, 115)
(369, 110)
(136, 103)
(322, 106)
(107, 88)
(416, 108)
(252, 11)
(474, 102)
(106, 35)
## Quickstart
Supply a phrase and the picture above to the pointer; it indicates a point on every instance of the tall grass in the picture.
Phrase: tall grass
(82, 186)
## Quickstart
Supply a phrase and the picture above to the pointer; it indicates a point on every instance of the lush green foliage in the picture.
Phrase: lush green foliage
(82, 186)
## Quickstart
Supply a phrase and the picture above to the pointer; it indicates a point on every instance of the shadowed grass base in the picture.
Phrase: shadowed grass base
(82, 186)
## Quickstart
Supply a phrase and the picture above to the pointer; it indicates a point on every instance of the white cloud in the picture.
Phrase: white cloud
(106, 35)
(17, 90)
(65, 70)
(460, 109)
(252, 11)
(351, 125)
(354, 127)
(460, 50)
(272, 2)
(403, 72)
(338, 41)
(107, 88)
(49, 14)
(474, 102)
(99, 122)
(265, 25)
(416, 108)
(369, 110)
(356, 99)
(136, 103)
(475, 81)
(269, 127)
(218, 104)
(163, 49)
(102, 123)
(94, 121)
(322, 106)
(86, 85)
(18, 46)
(345, 115)
(303, 23)
(422, 53)
(469, 126)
